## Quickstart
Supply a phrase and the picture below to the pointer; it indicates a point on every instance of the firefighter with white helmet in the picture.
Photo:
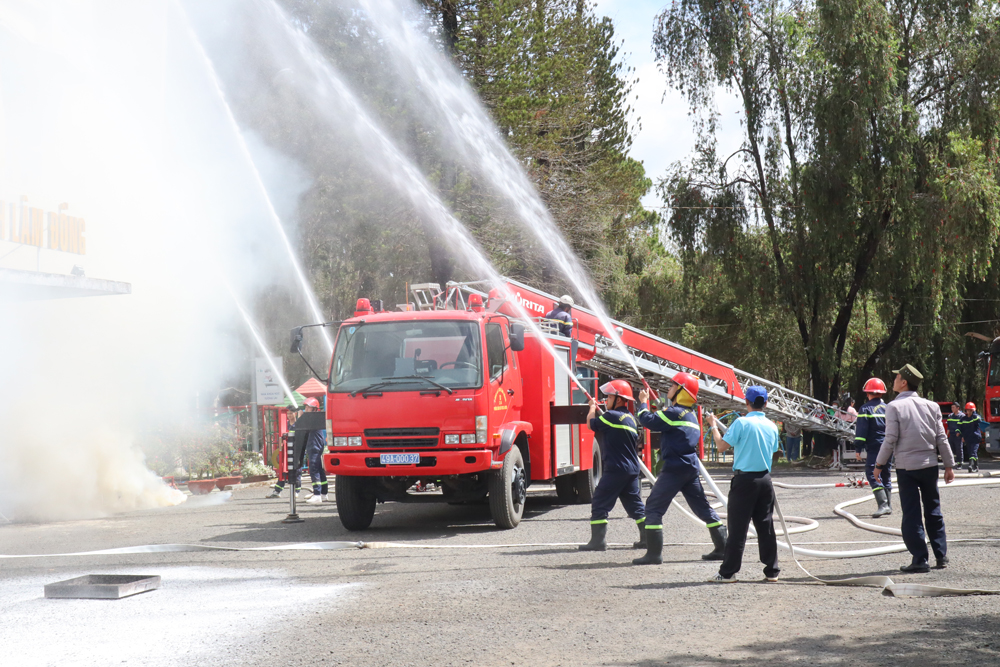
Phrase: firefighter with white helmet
(315, 444)
(680, 434)
(561, 316)
(869, 431)
(619, 436)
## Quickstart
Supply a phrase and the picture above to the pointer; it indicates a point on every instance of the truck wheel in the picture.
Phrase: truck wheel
(355, 505)
(566, 489)
(508, 490)
(586, 480)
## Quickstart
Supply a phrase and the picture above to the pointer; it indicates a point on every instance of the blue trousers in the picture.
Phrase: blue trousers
(792, 445)
(886, 478)
(671, 482)
(616, 486)
(956, 448)
(316, 470)
(971, 450)
(916, 487)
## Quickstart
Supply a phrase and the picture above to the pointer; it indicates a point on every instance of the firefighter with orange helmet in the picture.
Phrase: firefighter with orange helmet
(869, 431)
(971, 435)
(619, 435)
(680, 434)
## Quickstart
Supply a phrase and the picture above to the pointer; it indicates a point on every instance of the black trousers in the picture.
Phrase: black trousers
(916, 486)
(751, 498)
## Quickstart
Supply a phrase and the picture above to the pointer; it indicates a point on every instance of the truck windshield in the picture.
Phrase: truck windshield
(994, 378)
(447, 352)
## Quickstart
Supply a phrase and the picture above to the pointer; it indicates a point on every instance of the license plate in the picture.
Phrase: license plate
(398, 459)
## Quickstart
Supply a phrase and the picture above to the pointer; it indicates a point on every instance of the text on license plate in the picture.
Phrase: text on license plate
(398, 459)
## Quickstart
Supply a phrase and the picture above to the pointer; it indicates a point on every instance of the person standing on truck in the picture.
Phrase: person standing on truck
(754, 440)
(953, 428)
(971, 436)
(914, 434)
(561, 315)
(680, 434)
(620, 460)
(868, 436)
(315, 445)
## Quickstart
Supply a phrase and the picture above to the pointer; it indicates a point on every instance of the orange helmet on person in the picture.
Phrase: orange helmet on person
(311, 403)
(619, 388)
(874, 386)
(688, 382)
(970, 406)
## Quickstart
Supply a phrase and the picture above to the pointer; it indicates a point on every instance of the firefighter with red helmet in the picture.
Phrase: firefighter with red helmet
(680, 434)
(619, 436)
(869, 431)
(971, 435)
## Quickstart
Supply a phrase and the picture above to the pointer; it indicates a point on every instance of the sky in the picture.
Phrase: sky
(666, 134)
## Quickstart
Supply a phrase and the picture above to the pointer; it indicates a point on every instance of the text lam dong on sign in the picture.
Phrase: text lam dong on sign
(54, 230)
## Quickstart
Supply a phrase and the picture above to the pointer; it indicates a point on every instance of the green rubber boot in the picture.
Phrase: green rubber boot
(654, 548)
(598, 535)
(641, 542)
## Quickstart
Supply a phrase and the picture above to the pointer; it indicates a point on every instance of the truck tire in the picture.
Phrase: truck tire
(586, 480)
(566, 489)
(355, 505)
(508, 488)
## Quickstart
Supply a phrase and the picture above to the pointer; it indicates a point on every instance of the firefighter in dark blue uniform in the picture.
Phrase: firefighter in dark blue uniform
(620, 460)
(680, 434)
(561, 316)
(952, 428)
(969, 426)
(869, 431)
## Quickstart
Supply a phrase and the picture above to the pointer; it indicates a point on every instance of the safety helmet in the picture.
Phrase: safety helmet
(618, 388)
(970, 406)
(874, 386)
(566, 300)
(312, 403)
(688, 382)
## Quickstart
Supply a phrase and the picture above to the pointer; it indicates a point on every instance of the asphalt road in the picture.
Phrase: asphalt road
(508, 605)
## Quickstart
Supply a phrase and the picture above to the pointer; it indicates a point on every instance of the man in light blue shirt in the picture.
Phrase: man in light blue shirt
(754, 440)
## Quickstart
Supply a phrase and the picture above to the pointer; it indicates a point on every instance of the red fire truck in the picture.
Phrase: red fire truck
(452, 390)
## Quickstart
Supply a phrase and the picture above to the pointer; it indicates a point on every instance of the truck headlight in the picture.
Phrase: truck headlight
(468, 438)
(451, 439)
(481, 427)
(354, 441)
(340, 441)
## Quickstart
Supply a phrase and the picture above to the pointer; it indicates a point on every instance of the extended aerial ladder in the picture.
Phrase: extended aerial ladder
(721, 385)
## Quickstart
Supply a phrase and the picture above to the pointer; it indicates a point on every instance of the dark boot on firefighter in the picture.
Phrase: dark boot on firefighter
(654, 547)
(598, 535)
(641, 542)
(884, 509)
(719, 536)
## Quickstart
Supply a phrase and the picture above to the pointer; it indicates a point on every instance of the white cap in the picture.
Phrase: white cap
(566, 300)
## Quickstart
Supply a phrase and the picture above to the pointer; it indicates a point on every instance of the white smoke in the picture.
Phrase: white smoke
(107, 106)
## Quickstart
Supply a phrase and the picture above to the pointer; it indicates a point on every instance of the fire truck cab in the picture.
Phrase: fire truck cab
(457, 396)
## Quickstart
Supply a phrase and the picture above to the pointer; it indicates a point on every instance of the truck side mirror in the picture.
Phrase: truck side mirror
(296, 341)
(517, 337)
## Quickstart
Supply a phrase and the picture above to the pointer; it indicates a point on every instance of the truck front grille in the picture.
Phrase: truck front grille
(401, 443)
(400, 432)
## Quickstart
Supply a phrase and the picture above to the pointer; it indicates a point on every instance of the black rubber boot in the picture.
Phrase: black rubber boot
(883, 504)
(598, 533)
(719, 536)
(641, 542)
(654, 548)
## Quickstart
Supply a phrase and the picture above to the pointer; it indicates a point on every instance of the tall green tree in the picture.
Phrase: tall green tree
(867, 168)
